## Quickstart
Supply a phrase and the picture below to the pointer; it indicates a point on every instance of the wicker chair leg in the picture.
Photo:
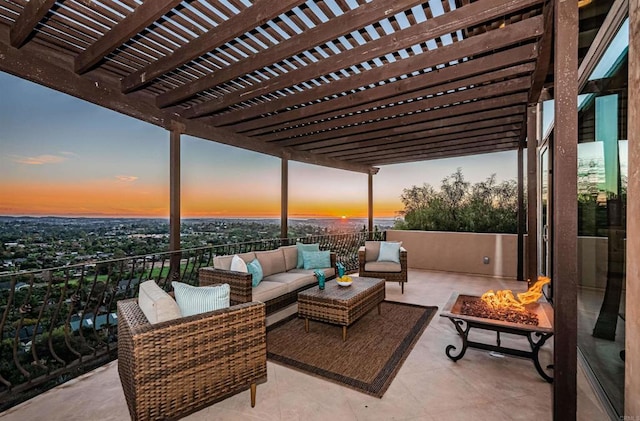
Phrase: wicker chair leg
(402, 287)
(253, 394)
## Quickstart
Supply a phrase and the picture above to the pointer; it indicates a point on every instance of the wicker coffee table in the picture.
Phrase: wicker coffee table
(341, 305)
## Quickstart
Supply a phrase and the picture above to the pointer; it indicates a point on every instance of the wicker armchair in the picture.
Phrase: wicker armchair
(369, 253)
(173, 368)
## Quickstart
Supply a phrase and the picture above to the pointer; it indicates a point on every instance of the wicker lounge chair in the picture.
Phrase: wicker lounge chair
(173, 368)
(370, 268)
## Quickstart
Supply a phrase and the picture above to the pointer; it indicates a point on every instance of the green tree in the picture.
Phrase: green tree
(486, 206)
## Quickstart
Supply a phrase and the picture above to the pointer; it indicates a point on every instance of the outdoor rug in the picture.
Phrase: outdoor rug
(375, 349)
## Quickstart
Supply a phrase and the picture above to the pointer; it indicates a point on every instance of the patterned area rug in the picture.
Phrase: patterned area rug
(375, 349)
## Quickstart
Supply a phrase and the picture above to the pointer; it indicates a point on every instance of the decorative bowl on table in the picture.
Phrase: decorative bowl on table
(344, 281)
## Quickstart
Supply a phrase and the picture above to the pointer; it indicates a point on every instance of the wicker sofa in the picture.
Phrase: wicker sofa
(173, 368)
(281, 283)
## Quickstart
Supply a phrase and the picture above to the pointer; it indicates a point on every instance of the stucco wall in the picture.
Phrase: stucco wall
(464, 252)
(459, 251)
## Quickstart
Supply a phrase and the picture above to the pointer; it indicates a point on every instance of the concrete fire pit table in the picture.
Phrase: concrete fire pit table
(536, 335)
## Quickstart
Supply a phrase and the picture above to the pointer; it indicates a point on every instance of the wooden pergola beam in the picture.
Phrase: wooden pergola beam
(419, 122)
(512, 34)
(545, 46)
(142, 16)
(442, 144)
(34, 11)
(447, 23)
(34, 63)
(427, 140)
(479, 70)
(357, 18)
(382, 106)
(506, 101)
(414, 138)
(475, 93)
(259, 13)
(508, 145)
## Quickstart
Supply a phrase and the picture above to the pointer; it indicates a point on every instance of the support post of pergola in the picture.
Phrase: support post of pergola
(370, 204)
(565, 220)
(521, 219)
(284, 198)
(632, 331)
(532, 194)
(174, 198)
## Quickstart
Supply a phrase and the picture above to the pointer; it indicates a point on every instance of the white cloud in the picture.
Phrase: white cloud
(39, 160)
(70, 154)
(126, 178)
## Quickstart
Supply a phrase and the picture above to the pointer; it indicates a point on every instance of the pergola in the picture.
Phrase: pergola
(349, 84)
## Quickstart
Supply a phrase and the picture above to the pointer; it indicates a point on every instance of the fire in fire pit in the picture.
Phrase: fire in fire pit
(503, 305)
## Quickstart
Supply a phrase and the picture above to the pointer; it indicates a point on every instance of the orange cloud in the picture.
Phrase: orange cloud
(39, 160)
(126, 178)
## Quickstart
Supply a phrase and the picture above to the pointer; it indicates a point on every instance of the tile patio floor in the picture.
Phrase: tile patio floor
(429, 386)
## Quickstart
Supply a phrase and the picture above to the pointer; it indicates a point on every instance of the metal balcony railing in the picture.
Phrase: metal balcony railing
(61, 322)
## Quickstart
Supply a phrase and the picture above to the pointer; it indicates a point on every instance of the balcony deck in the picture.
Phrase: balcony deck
(429, 386)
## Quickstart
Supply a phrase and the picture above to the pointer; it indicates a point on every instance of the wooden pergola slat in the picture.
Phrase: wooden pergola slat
(260, 12)
(366, 98)
(344, 24)
(143, 16)
(440, 142)
(418, 138)
(477, 45)
(473, 149)
(484, 91)
(477, 119)
(471, 107)
(388, 110)
(473, 14)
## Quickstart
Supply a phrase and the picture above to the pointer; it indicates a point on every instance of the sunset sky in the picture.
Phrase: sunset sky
(62, 156)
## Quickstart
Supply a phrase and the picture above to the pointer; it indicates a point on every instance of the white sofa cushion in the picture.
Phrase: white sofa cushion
(238, 265)
(224, 262)
(156, 304)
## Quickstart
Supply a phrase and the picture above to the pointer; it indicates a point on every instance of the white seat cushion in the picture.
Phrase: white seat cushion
(156, 304)
(293, 281)
(382, 267)
(266, 291)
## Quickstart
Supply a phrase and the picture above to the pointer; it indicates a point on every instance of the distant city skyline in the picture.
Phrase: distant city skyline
(62, 156)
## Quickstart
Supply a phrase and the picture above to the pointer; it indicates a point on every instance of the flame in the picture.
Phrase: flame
(505, 298)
